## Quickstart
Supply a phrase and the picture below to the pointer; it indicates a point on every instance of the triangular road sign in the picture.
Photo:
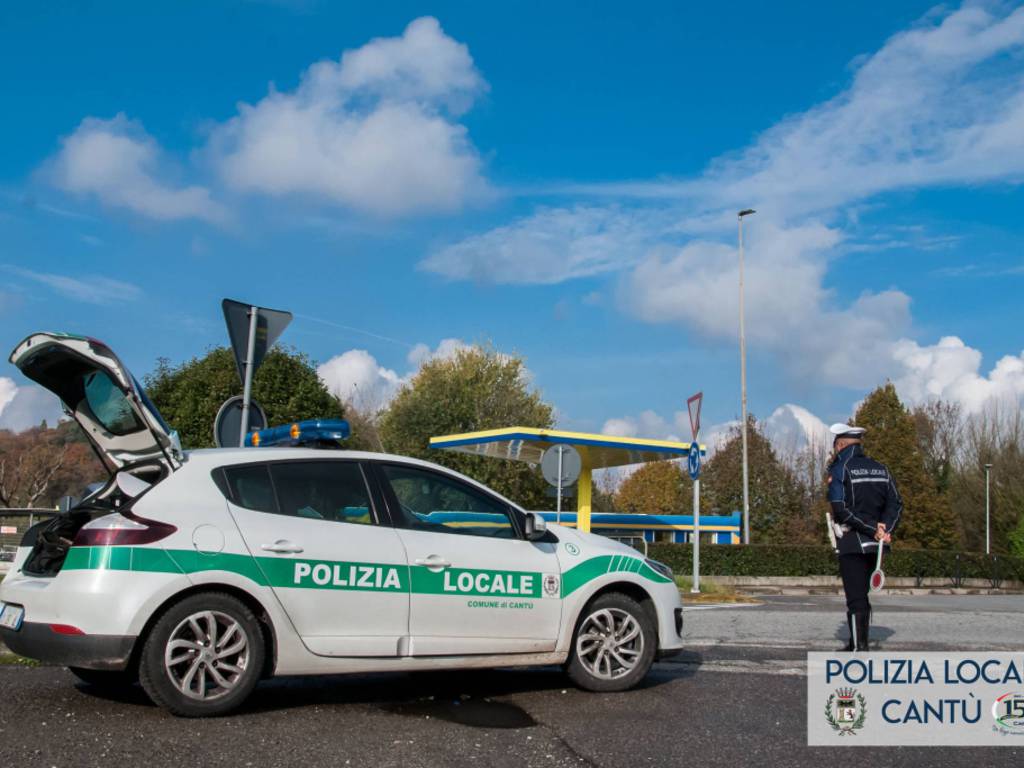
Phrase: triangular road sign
(270, 324)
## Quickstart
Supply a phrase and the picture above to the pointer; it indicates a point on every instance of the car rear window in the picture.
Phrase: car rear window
(250, 487)
(109, 404)
(322, 490)
(315, 490)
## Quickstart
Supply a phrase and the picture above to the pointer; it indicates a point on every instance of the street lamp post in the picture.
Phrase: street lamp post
(743, 387)
(988, 548)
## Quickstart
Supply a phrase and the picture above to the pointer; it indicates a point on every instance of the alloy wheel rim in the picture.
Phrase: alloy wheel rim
(610, 643)
(207, 655)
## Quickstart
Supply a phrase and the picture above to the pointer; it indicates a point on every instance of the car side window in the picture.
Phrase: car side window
(429, 501)
(250, 487)
(323, 490)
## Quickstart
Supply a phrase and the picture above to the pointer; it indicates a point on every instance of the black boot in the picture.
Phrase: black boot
(849, 624)
(862, 627)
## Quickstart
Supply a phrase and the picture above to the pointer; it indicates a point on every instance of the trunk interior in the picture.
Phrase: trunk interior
(51, 539)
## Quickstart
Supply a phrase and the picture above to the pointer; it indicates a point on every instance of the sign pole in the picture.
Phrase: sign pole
(250, 353)
(558, 508)
(693, 406)
(696, 532)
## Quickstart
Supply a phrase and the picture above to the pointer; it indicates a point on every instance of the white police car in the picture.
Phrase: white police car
(201, 572)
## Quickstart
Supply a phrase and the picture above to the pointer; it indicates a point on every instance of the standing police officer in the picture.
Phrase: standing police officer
(866, 509)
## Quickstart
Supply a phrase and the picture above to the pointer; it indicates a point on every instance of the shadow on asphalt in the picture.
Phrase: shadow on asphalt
(467, 697)
(878, 632)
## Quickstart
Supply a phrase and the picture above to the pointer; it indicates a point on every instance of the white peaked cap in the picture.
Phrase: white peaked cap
(845, 430)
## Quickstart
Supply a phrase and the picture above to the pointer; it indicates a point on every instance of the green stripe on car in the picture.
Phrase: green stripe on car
(330, 574)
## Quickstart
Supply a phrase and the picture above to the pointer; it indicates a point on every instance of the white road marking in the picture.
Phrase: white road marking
(767, 667)
(712, 606)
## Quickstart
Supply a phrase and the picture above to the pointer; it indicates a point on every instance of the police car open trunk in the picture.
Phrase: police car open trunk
(128, 434)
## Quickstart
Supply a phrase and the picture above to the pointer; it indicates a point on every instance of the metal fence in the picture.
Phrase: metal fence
(14, 523)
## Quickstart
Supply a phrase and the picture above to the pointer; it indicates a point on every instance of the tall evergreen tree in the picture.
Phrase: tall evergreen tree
(775, 508)
(892, 439)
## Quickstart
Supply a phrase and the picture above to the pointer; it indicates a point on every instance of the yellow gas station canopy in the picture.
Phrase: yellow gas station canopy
(529, 443)
(596, 452)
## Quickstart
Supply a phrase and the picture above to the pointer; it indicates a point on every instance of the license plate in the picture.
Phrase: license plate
(11, 616)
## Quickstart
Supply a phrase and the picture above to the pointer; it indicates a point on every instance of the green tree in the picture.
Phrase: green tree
(656, 488)
(993, 435)
(602, 498)
(1017, 539)
(188, 395)
(939, 426)
(892, 438)
(775, 498)
(476, 389)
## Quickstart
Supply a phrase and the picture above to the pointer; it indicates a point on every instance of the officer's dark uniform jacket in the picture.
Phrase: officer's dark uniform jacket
(862, 494)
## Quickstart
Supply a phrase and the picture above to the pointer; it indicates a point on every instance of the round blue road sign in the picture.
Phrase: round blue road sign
(693, 460)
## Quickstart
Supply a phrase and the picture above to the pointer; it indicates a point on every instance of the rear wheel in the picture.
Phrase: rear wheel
(613, 646)
(107, 679)
(203, 657)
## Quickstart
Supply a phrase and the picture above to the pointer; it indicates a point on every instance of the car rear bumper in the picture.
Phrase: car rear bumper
(40, 642)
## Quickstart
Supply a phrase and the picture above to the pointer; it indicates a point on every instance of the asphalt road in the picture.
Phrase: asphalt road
(718, 704)
(900, 622)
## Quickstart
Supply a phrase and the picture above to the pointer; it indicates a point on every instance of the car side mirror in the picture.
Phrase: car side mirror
(536, 527)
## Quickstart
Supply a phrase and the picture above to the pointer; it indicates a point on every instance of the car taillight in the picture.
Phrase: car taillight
(121, 528)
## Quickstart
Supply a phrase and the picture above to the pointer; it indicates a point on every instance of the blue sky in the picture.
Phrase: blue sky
(558, 179)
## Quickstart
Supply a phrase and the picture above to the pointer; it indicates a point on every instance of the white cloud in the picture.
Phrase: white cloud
(925, 109)
(647, 424)
(28, 406)
(446, 349)
(355, 376)
(950, 370)
(786, 303)
(550, 246)
(375, 131)
(793, 429)
(423, 64)
(120, 164)
(928, 108)
(790, 428)
(8, 390)
(91, 289)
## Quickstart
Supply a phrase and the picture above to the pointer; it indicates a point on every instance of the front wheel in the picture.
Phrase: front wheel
(613, 646)
(203, 657)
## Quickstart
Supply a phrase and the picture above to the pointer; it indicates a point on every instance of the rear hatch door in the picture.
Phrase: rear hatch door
(102, 396)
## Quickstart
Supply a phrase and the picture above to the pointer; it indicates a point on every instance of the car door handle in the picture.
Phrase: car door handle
(433, 561)
(282, 547)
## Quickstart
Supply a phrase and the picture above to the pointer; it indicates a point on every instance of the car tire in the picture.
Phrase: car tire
(613, 645)
(105, 678)
(203, 656)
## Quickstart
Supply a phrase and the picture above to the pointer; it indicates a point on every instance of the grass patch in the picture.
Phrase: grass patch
(8, 659)
(710, 592)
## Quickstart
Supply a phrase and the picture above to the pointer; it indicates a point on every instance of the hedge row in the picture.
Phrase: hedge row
(781, 560)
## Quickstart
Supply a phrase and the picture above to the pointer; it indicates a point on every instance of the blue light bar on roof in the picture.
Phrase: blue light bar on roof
(308, 432)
